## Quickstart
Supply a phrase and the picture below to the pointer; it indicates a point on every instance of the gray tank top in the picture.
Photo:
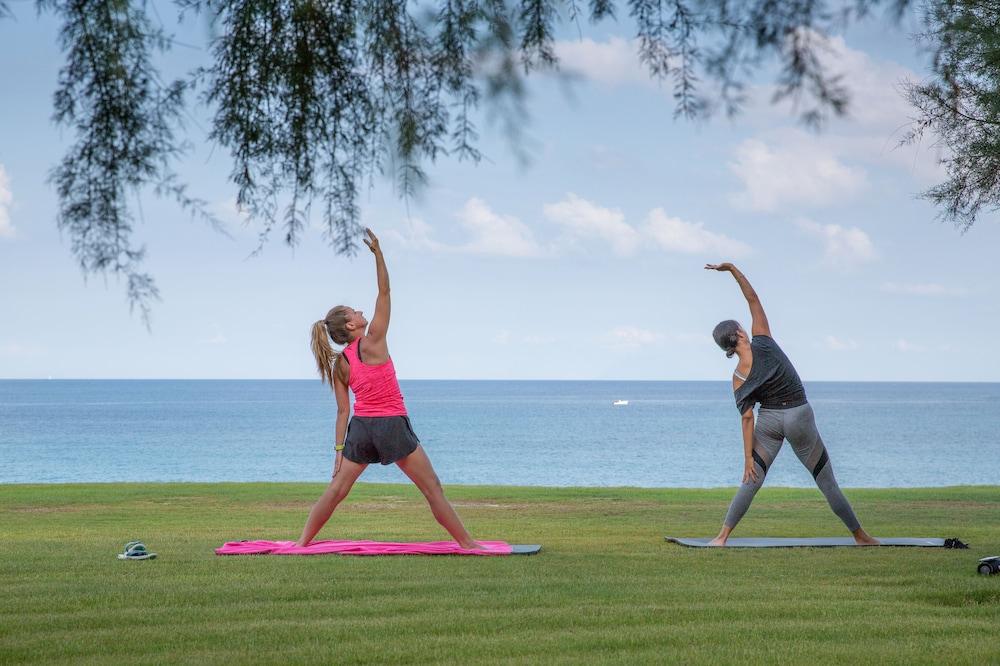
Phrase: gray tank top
(773, 381)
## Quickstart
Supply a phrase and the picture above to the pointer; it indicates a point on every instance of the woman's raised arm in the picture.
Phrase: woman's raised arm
(760, 325)
(380, 320)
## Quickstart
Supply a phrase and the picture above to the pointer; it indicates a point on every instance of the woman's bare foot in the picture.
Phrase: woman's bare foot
(723, 536)
(862, 538)
(472, 545)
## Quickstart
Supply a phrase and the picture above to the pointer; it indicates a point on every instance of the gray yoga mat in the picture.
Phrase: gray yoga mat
(808, 542)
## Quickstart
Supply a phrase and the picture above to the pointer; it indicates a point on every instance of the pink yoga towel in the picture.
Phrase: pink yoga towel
(360, 548)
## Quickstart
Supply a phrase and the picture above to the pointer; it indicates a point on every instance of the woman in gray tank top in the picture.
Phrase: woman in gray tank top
(765, 375)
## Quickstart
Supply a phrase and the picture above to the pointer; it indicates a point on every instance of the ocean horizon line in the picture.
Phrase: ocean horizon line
(511, 432)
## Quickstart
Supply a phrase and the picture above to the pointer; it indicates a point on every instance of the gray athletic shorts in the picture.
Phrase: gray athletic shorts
(379, 439)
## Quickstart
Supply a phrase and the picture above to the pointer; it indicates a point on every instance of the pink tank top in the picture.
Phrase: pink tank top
(376, 390)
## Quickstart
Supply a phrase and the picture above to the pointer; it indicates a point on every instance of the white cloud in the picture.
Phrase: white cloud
(676, 235)
(507, 236)
(874, 86)
(905, 346)
(6, 199)
(836, 344)
(228, 212)
(914, 289)
(878, 115)
(492, 233)
(842, 246)
(613, 62)
(632, 337)
(496, 234)
(795, 173)
(417, 235)
(588, 220)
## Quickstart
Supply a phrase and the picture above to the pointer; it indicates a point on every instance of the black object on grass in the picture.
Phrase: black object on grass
(989, 565)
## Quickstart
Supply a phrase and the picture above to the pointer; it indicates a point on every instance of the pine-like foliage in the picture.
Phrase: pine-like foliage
(960, 106)
(313, 97)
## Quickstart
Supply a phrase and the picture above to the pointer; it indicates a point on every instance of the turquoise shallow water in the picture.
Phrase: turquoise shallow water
(671, 434)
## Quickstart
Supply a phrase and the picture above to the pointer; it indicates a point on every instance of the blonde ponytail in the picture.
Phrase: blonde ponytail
(326, 357)
(333, 326)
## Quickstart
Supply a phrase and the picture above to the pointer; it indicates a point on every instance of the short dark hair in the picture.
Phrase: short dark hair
(725, 336)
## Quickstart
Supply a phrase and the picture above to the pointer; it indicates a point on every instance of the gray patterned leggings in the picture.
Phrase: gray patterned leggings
(798, 425)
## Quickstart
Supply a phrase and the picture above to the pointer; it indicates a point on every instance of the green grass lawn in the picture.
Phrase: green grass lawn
(606, 588)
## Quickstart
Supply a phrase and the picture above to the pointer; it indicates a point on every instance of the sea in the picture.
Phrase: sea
(532, 433)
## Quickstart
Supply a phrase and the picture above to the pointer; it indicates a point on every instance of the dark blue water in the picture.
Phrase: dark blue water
(681, 434)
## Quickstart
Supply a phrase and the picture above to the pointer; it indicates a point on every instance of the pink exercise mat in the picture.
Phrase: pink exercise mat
(361, 548)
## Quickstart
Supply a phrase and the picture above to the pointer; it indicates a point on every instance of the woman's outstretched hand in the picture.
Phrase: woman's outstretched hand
(719, 267)
(371, 241)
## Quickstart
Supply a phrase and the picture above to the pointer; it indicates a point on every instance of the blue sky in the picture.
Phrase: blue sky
(584, 264)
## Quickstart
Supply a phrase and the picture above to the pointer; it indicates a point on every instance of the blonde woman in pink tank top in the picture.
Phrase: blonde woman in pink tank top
(380, 430)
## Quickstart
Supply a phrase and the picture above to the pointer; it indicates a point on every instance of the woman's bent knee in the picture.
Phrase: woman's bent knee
(338, 489)
(432, 489)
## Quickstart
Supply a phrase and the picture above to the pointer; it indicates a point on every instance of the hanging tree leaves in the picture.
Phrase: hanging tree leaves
(124, 119)
(960, 106)
(313, 97)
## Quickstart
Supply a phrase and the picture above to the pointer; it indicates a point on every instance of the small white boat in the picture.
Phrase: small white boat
(620, 403)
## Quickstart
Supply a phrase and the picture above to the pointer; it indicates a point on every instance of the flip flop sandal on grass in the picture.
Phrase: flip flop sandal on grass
(135, 550)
